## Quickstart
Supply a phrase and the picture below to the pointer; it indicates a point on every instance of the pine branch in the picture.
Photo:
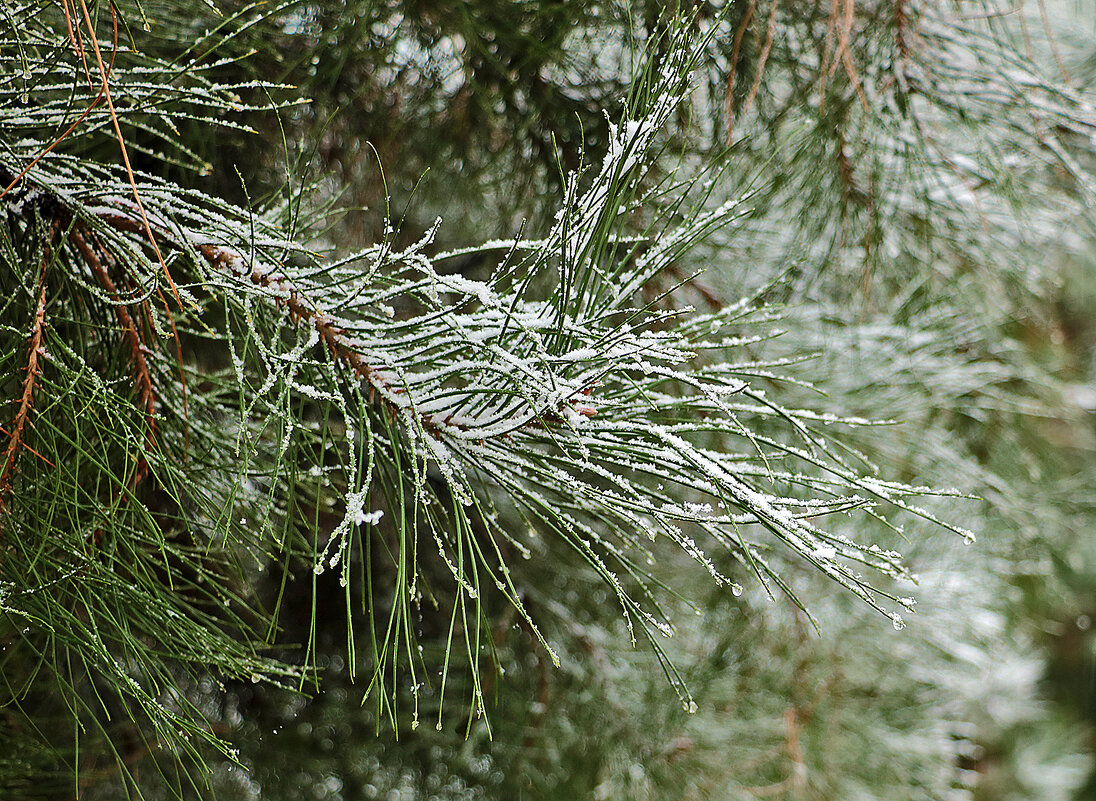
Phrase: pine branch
(565, 399)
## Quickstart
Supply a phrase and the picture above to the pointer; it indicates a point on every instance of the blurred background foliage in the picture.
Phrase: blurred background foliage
(921, 181)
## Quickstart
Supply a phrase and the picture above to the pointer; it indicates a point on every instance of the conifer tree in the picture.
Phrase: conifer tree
(373, 425)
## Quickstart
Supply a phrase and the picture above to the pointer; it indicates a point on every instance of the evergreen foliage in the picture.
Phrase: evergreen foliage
(306, 447)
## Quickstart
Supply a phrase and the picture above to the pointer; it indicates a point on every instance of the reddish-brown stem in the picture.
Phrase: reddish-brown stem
(824, 72)
(741, 32)
(142, 376)
(33, 370)
(76, 38)
(900, 23)
(843, 55)
(103, 72)
(330, 333)
(764, 58)
(27, 447)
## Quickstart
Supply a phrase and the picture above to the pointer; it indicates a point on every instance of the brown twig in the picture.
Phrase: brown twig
(844, 37)
(841, 19)
(27, 447)
(824, 71)
(33, 370)
(104, 74)
(761, 61)
(738, 35)
(901, 23)
(845, 53)
(76, 39)
(142, 376)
